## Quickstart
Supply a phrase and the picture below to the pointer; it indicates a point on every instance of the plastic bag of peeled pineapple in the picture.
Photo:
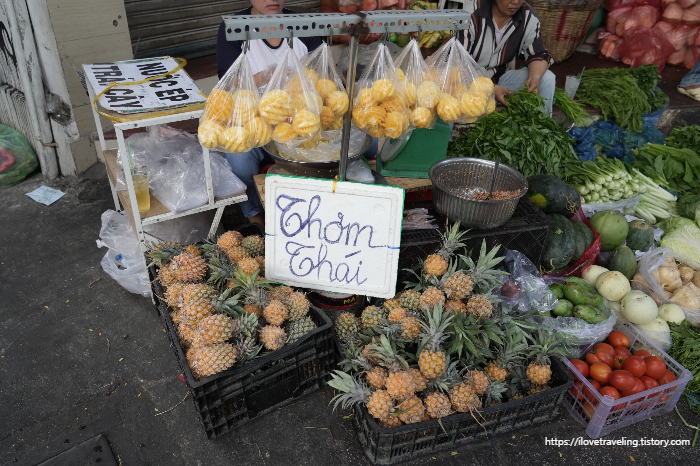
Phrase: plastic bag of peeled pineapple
(466, 91)
(380, 105)
(320, 68)
(422, 92)
(231, 120)
(291, 104)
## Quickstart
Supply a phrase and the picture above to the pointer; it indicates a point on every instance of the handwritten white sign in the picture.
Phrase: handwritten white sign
(172, 90)
(341, 237)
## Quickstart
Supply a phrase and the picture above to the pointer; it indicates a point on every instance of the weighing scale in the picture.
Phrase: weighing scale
(412, 155)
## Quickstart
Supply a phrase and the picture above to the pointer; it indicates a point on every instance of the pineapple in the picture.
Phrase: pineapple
(517, 396)
(419, 380)
(399, 383)
(214, 329)
(493, 395)
(411, 410)
(379, 403)
(246, 350)
(535, 389)
(539, 371)
(438, 405)
(172, 294)
(396, 315)
(436, 264)
(275, 312)
(261, 264)
(298, 305)
(210, 359)
(431, 297)
(254, 245)
(186, 334)
(221, 270)
(272, 337)
(347, 327)
(390, 421)
(463, 398)
(192, 249)
(281, 292)
(188, 268)
(249, 266)
(391, 304)
(432, 361)
(162, 253)
(410, 328)
(165, 276)
(196, 292)
(255, 296)
(371, 317)
(496, 372)
(508, 355)
(298, 328)
(236, 254)
(480, 306)
(229, 240)
(455, 307)
(458, 286)
(477, 380)
(194, 313)
(410, 300)
(376, 377)
(482, 274)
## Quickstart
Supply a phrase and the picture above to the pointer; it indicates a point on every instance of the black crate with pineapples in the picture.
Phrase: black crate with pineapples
(443, 347)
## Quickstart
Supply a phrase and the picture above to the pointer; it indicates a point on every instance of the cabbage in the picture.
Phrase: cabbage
(685, 244)
(674, 223)
(689, 206)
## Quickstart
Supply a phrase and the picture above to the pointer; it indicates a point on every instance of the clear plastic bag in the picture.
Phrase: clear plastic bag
(321, 70)
(231, 120)
(176, 169)
(626, 206)
(413, 71)
(123, 261)
(531, 291)
(17, 158)
(465, 91)
(380, 105)
(328, 148)
(292, 105)
(417, 219)
(646, 281)
(359, 171)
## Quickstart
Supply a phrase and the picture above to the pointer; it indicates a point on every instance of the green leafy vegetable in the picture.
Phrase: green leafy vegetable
(670, 224)
(685, 137)
(674, 169)
(685, 243)
(689, 206)
(523, 135)
(573, 109)
(686, 351)
(647, 77)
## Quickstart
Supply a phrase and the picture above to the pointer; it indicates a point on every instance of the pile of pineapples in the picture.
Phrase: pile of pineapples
(444, 345)
(224, 311)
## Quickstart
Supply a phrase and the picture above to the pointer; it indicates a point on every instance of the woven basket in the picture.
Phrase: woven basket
(564, 24)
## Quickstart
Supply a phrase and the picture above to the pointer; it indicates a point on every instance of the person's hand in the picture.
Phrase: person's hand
(501, 92)
(533, 84)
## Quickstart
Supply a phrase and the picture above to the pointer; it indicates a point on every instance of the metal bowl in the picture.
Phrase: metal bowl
(451, 175)
(271, 149)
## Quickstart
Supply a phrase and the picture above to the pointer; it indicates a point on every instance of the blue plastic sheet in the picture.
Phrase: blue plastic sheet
(585, 149)
(612, 141)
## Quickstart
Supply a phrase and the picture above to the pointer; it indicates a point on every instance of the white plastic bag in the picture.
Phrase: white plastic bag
(359, 171)
(123, 262)
(417, 219)
(328, 148)
(626, 206)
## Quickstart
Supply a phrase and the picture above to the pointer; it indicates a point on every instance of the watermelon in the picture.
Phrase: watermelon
(612, 227)
(561, 244)
(583, 238)
(640, 235)
(553, 196)
(623, 261)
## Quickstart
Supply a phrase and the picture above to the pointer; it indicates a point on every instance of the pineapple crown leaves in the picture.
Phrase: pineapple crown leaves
(435, 330)
(447, 380)
(161, 253)
(227, 304)
(247, 350)
(387, 354)
(494, 392)
(247, 325)
(473, 337)
(506, 316)
(544, 346)
(519, 380)
(482, 273)
(451, 240)
(247, 282)
(431, 280)
(222, 270)
(351, 351)
(353, 389)
(512, 351)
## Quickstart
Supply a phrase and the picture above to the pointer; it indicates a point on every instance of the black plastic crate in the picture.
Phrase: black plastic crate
(399, 444)
(527, 231)
(229, 399)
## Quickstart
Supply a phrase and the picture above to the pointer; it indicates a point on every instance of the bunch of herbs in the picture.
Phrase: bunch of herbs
(685, 137)
(675, 169)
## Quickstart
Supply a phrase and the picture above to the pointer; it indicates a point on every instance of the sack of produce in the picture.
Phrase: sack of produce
(381, 105)
(413, 71)
(611, 5)
(684, 11)
(622, 19)
(608, 46)
(465, 91)
(643, 46)
(231, 120)
(321, 71)
(291, 104)
(17, 158)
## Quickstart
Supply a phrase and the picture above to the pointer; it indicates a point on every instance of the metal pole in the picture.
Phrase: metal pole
(345, 143)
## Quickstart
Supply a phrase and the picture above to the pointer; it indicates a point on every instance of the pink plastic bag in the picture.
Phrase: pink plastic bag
(622, 19)
(608, 45)
(642, 46)
(611, 5)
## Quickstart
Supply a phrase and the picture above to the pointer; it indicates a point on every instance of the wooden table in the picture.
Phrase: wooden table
(408, 184)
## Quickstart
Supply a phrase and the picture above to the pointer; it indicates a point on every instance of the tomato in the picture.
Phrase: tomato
(600, 372)
(642, 353)
(618, 339)
(588, 410)
(618, 360)
(622, 350)
(668, 377)
(635, 365)
(605, 347)
(582, 392)
(610, 391)
(649, 383)
(622, 380)
(595, 384)
(655, 366)
(604, 356)
(592, 358)
(638, 387)
(580, 366)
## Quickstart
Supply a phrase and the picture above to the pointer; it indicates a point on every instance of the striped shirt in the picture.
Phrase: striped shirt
(522, 36)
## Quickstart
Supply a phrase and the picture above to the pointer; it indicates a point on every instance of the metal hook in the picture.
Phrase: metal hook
(246, 45)
(386, 32)
(291, 38)
(330, 37)
(420, 31)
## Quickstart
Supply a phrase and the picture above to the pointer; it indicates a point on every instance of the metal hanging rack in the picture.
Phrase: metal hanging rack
(249, 27)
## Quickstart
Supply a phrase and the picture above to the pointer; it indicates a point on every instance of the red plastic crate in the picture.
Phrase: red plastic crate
(602, 414)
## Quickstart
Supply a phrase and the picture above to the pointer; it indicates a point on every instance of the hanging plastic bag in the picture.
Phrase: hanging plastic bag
(17, 158)
(413, 71)
(465, 92)
(321, 70)
(529, 290)
(292, 105)
(231, 120)
(124, 260)
(643, 46)
(380, 105)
